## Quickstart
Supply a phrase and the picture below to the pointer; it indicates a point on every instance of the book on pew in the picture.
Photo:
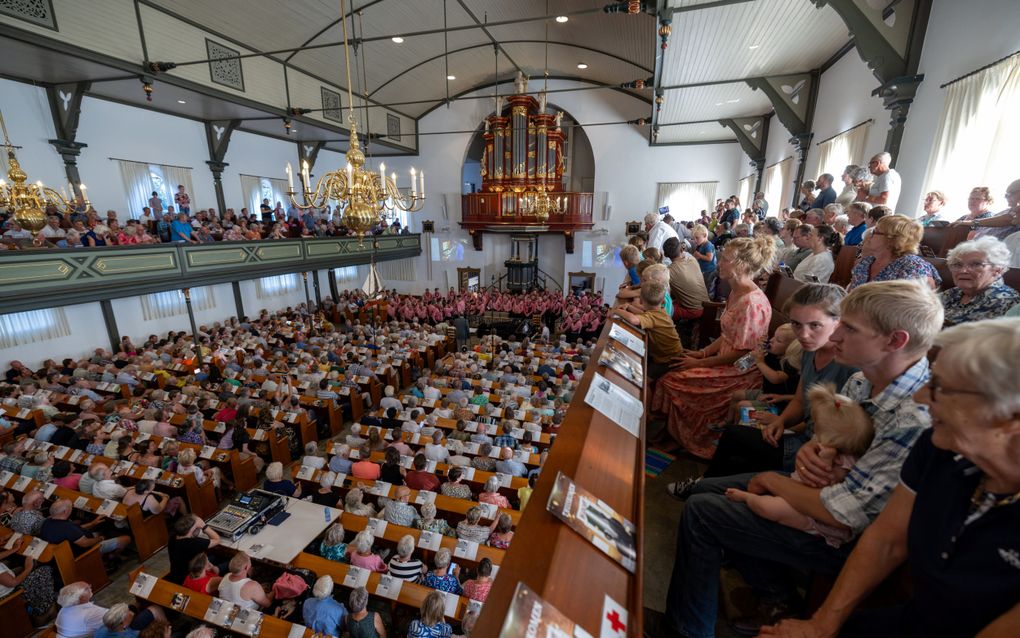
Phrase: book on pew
(143, 585)
(590, 517)
(220, 612)
(22, 483)
(626, 365)
(529, 615)
(389, 587)
(427, 540)
(611, 400)
(247, 622)
(14, 538)
(625, 337)
(35, 548)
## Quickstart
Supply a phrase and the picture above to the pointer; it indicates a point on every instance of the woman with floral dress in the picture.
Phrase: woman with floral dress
(695, 396)
(889, 252)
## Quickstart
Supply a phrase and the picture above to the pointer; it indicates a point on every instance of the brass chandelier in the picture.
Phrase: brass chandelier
(363, 194)
(28, 201)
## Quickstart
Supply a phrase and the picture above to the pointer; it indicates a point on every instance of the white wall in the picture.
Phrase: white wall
(844, 100)
(961, 37)
(27, 115)
(87, 333)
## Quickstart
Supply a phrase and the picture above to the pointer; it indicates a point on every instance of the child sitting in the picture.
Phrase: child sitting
(844, 430)
(664, 346)
(779, 364)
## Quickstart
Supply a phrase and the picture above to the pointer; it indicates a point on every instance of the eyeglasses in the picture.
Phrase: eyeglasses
(935, 388)
(968, 265)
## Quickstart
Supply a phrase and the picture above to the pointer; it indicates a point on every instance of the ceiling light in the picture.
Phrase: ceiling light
(733, 101)
(719, 103)
(754, 46)
(582, 65)
(181, 102)
(397, 39)
(451, 77)
(561, 19)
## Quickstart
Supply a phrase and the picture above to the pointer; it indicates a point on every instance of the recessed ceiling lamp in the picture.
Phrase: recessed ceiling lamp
(754, 46)
(451, 77)
(582, 65)
(181, 102)
(719, 103)
(397, 39)
(561, 19)
(733, 101)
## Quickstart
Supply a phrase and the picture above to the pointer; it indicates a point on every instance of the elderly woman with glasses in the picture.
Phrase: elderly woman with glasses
(891, 253)
(954, 516)
(977, 266)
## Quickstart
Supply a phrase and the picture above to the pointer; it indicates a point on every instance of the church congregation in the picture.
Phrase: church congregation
(704, 324)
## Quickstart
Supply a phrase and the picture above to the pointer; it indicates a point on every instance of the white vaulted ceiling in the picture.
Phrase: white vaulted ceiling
(714, 47)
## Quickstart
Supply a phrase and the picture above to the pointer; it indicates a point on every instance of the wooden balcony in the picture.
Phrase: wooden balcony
(501, 212)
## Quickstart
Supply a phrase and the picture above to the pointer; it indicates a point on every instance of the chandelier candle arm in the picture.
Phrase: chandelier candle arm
(290, 178)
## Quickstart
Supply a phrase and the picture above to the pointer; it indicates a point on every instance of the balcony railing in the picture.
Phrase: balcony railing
(34, 279)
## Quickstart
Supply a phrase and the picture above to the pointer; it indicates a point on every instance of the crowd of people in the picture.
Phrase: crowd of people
(176, 384)
(874, 430)
(85, 227)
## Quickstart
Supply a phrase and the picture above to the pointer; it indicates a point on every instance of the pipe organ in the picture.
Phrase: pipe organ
(522, 163)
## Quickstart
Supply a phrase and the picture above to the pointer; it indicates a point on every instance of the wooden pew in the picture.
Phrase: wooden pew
(163, 593)
(14, 615)
(87, 566)
(411, 594)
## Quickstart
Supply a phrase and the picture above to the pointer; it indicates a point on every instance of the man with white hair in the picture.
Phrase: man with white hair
(201, 632)
(79, 617)
(322, 613)
(658, 231)
(389, 401)
(57, 529)
(885, 190)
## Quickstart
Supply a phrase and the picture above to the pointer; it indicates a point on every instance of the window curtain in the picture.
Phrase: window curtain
(777, 186)
(176, 176)
(251, 190)
(399, 270)
(686, 200)
(171, 303)
(19, 328)
(277, 286)
(975, 143)
(745, 191)
(280, 193)
(847, 148)
(345, 276)
(137, 185)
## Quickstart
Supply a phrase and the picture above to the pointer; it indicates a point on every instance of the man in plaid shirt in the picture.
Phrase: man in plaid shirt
(885, 331)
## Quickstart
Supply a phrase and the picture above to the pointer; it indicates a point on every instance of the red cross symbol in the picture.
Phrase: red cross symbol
(614, 621)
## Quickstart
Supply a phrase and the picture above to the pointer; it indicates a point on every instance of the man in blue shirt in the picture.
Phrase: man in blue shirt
(826, 193)
(857, 213)
(180, 229)
(322, 613)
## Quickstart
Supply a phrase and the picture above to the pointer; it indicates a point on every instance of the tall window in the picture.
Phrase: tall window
(170, 303)
(142, 179)
(346, 276)
(277, 286)
(255, 188)
(836, 153)
(19, 328)
(745, 188)
(686, 200)
(777, 184)
(976, 141)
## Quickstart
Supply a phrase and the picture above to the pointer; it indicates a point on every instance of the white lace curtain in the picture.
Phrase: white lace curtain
(139, 184)
(170, 303)
(745, 192)
(19, 328)
(277, 286)
(847, 148)
(686, 200)
(976, 141)
(777, 184)
(399, 270)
